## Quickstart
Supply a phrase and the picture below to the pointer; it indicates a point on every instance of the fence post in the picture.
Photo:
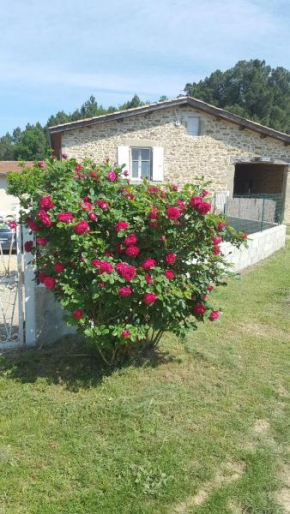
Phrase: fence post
(29, 288)
(263, 210)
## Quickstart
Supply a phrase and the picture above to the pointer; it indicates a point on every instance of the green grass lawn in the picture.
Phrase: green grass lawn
(198, 428)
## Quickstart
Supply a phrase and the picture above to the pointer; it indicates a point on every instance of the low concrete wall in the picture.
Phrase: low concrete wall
(50, 325)
(260, 246)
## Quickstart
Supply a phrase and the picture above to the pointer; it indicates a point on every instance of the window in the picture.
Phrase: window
(141, 159)
(193, 125)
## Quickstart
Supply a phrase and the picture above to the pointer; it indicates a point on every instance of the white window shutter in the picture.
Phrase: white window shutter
(158, 163)
(124, 157)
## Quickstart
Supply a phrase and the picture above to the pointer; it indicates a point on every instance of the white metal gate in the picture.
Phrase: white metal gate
(11, 289)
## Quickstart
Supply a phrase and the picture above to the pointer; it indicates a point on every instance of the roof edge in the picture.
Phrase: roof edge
(184, 100)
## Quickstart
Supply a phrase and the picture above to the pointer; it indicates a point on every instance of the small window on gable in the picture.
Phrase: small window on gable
(193, 123)
(141, 159)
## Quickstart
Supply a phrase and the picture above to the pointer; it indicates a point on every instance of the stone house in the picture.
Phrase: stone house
(181, 140)
(8, 203)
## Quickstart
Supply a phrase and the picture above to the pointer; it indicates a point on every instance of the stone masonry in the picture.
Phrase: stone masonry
(210, 156)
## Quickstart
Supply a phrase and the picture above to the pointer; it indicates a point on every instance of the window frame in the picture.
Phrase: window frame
(140, 160)
(198, 125)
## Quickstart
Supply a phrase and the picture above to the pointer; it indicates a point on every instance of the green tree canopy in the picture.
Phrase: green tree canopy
(251, 89)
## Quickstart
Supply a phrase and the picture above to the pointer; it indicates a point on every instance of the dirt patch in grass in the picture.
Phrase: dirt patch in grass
(228, 473)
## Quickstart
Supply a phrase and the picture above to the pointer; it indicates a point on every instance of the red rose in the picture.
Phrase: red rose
(120, 267)
(125, 334)
(65, 217)
(108, 253)
(77, 314)
(210, 288)
(130, 240)
(214, 315)
(28, 246)
(199, 309)
(174, 187)
(81, 228)
(125, 291)
(153, 224)
(45, 203)
(195, 201)
(244, 236)
(49, 282)
(221, 225)
(125, 271)
(112, 176)
(148, 279)
(148, 264)
(85, 205)
(102, 204)
(93, 174)
(132, 251)
(216, 250)
(169, 274)
(153, 214)
(204, 208)
(44, 218)
(101, 285)
(78, 167)
(216, 240)
(41, 241)
(64, 155)
(92, 216)
(58, 267)
(32, 225)
(121, 225)
(105, 267)
(40, 164)
(204, 193)
(12, 224)
(204, 296)
(162, 238)
(126, 173)
(180, 204)
(120, 249)
(170, 258)
(173, 213)
(149, 298)
(42, 277)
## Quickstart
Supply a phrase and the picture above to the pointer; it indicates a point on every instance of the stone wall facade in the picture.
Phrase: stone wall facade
(211, 155)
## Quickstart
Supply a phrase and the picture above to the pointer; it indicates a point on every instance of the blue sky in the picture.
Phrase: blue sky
(55, 54)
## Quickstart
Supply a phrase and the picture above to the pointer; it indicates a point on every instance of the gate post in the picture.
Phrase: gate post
(29, 288)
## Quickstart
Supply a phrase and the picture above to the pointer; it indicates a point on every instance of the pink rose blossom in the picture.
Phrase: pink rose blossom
(195, 201)
(244, 236)
(199, 309)
(102, 205)
(162, 238)
(221, 225)
(174, 187)
(105, 267)
(32, 225)
(44, 218)
(108, 253)
(58, 267)
(125, 291)
(148, 264)
(180, 204)
(149, 298)
(121, 225)
(40, 164)
(125, 271)
(130, 240)
(214, 315)
(93, 174)
(216, 250)
(92, 216)
(42, 277)
(77, 314)
(148, 279)
(85, 205)
(170, 258)
(153, 214)
(132, 251)
(41, 241)
(81, 228)
(204, 193)
(64, 155)
(169, 274)
(46, 203)
(125, 334)
(173, 213)
(28, 246)
(49, 282)
(120, 249)
(65, 217)
(78, 167)
(216, 240)
(112, 176)
(210, 288)
(126, 173)
(101, 285)
(204, 208)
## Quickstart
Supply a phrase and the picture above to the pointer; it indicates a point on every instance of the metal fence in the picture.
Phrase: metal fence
(254, 213)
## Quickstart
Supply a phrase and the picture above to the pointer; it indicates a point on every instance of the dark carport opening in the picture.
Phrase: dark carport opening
(258, 196)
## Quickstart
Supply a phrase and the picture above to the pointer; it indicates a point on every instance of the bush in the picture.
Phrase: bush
(126, 262)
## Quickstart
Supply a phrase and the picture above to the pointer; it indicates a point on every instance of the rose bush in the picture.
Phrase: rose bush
(126, 262)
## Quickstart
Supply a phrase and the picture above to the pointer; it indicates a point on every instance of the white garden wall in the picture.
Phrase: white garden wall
(45, 324)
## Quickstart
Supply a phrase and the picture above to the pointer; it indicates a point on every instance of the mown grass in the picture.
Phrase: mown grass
(196, 428)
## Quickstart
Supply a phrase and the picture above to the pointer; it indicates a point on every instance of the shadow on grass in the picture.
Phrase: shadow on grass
(70, 362)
